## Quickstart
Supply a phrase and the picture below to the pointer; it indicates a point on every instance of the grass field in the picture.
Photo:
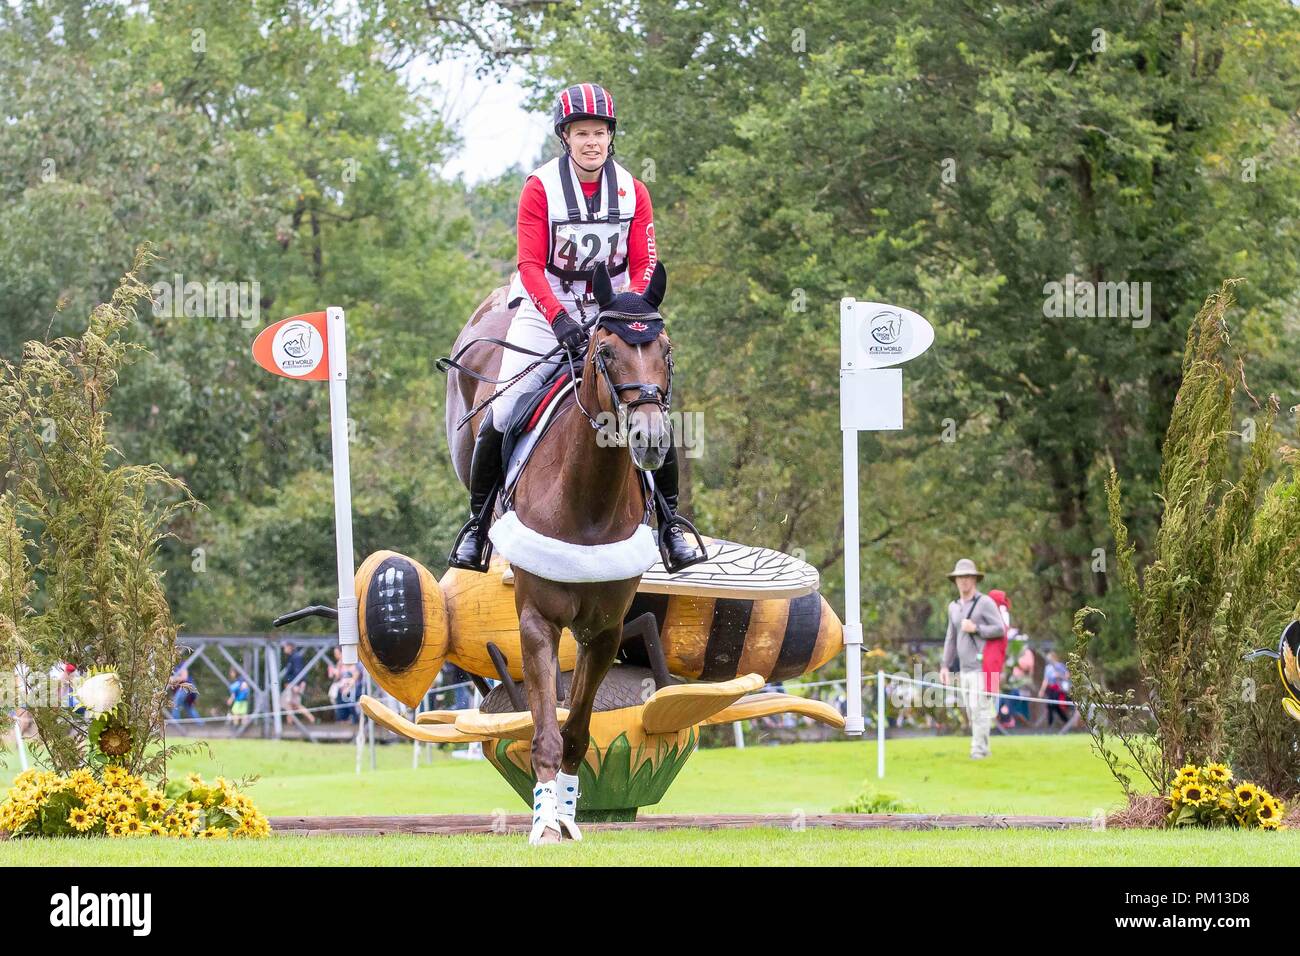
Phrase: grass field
(1056, 776)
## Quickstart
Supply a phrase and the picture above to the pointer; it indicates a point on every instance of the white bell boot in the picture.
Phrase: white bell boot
(566, 794)
(544, 813)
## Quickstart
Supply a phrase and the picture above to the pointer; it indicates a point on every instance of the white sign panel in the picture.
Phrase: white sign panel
(877, 335)
(871, 399)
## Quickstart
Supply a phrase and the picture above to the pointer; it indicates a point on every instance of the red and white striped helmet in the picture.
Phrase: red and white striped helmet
(583, 101)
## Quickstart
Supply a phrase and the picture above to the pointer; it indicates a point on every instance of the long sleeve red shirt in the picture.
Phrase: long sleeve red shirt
(534, 228)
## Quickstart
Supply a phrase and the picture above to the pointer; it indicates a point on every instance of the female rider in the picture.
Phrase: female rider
(576, 210)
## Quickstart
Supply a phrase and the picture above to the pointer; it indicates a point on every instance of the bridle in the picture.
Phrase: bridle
(648, 393)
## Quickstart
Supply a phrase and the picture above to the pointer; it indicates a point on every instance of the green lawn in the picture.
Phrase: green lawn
(692, 847)
(1053, 776)
(1056, 776)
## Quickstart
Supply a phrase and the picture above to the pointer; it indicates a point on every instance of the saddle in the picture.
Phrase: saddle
(532, 416)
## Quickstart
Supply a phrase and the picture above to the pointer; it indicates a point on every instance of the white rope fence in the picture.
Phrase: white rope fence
(883, 684)
(297, 710)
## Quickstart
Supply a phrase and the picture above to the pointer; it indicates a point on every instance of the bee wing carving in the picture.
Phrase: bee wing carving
(683, 705)
(764, 705)
(435, 734)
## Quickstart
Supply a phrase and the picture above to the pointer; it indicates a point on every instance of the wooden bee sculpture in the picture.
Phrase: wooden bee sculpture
(1288, 669)
(698, 646)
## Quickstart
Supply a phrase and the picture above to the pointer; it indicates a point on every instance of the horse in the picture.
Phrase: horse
(580, 511)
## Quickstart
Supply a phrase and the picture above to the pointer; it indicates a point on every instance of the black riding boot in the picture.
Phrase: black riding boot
(678, 540)
(471, 548)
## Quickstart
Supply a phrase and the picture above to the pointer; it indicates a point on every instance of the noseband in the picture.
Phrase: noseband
(648, 393)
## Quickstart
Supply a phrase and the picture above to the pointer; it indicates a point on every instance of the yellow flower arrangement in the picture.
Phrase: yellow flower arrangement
(1209, 797)
(81, 819)
(115, 776)
(119, 804)
(1216, 773)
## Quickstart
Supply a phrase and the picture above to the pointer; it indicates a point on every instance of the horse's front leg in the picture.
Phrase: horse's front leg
(594, 660)
(540, 639)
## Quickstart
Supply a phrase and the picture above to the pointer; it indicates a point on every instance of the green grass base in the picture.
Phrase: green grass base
(1050, 776)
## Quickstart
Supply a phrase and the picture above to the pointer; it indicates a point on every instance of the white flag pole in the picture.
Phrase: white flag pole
(873, 336)
(349, 635)
(853, 723)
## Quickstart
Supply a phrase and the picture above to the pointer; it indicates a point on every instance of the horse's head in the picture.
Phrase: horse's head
(630, 363)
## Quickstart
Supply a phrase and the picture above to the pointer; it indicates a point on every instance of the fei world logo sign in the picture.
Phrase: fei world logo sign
(295, 347)
(878, 335)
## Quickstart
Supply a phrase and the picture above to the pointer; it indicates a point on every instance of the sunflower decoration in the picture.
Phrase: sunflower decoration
(40, 803)
(1216, 773)
(1208, 796)
(115, 741)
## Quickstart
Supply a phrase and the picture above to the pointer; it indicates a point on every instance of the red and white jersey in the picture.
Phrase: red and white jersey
(578, 238)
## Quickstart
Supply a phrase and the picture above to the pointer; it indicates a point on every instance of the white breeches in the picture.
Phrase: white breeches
(529, 330)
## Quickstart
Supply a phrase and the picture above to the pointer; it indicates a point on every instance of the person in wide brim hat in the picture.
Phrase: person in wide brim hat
(973, 621)
(964, 568)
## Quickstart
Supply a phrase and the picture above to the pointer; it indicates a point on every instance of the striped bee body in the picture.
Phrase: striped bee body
(410, 624)
(717, 639)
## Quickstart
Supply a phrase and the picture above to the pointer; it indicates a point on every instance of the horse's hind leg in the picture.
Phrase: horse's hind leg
(594, 660)
(540, 639)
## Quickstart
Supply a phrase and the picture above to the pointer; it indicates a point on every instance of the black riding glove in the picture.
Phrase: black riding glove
(570, 334)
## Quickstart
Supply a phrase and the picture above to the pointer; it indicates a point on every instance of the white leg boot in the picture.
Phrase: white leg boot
(544, 814)
(566, 793)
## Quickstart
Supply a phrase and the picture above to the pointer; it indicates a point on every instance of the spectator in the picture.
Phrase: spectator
(344, 689)
(973, 620)
(1056, 686)
(184, 695)
(241, 694)
(295, 659)
(1014, 707)
(291, 701)
(452, 676)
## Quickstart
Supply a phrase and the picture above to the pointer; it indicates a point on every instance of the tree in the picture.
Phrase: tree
(957, 160)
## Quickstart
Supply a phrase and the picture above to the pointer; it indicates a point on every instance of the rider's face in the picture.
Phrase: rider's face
(588, 141)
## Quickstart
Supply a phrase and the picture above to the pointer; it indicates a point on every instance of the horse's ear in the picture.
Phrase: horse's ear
(601, 286)
(654, 292)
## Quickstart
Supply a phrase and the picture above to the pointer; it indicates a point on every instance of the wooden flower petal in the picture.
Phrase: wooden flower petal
(682, 705)
(440, 734)
(511, 726)
(764, 705)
